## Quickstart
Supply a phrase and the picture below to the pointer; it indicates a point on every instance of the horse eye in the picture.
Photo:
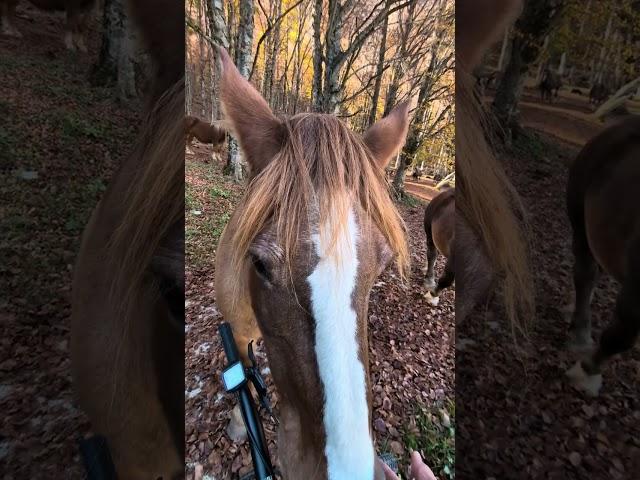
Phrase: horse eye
(260, 267)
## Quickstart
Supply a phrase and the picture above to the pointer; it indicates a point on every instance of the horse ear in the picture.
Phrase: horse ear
(479, 23)
(257, 129)
(385, 137)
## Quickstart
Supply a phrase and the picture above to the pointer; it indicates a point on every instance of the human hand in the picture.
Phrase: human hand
(417, 471)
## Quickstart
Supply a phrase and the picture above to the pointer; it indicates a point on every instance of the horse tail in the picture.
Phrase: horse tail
(428, 229)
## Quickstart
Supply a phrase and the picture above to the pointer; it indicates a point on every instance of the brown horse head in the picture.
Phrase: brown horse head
(296, 265)
(489, 238)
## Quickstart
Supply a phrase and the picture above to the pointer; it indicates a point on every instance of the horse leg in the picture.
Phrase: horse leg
(445, 281)
(585, 270)
(432, 256)
(585, 277)
(8, 14)
(620, 336)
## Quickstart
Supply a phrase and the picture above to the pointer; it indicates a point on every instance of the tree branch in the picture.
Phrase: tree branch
(267, 32)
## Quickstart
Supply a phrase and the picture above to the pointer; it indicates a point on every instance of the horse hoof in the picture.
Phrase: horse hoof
(431, 300)
(590, 384)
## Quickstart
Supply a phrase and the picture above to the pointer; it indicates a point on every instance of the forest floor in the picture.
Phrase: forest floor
(522, 419)
(411, 345)
(60, 139)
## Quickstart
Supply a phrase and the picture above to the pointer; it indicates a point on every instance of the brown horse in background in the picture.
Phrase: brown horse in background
(549, 85)
(296, 265)
(127, 325)
(203, 131)
(603, 205)
(490, 243)
(439, 227)
(77, 11)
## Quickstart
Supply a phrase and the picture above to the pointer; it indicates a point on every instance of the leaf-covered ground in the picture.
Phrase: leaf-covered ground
(60, 139)
(411, 345)
(518, 416)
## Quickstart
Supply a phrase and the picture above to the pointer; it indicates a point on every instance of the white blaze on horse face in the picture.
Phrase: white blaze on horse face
(349, 448)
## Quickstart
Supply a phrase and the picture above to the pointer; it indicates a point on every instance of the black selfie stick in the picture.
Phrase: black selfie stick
(263, 470)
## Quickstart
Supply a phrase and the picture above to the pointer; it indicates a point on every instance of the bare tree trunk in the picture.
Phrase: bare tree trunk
(599, 70)
(244, 50)
(333, 58)
(417, 128)
(531, 31)
(379, 70)
(316, 92)
(510, 87)
(187, 90)
(115, 64)
(272, 50)
(218, 24)
(503, 49)
(394, 86)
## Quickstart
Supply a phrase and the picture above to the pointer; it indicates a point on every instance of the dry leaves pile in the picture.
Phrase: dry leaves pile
(60, 139)
(410, 343)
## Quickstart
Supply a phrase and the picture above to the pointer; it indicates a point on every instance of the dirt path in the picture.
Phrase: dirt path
(60, 139)
(423, 189)
(411, 344)
(567, 125)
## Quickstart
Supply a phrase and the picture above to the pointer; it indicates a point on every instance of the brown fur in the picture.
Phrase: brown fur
(602, 200)
(306, 170)
(127, 344)
(78, 12)
(203, 131)
(439, 227)
(439, 218)
(485, 200)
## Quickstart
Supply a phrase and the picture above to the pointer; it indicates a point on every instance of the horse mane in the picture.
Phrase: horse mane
(321, 164)
(154, 199)
(489, 203)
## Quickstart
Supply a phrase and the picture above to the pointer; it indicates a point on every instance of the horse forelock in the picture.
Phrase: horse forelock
(321, 171)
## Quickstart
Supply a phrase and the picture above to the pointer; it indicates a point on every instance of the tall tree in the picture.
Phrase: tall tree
(531, 29)
(333, 57)
(379, 68)
(244, 56)
(441, 62)
(116, 63)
